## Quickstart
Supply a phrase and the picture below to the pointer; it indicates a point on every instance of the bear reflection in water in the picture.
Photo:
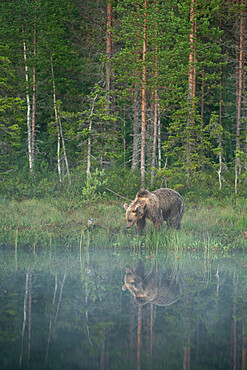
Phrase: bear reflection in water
(160, 288)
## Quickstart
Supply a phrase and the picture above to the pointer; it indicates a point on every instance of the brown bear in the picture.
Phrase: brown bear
(157, 206)
(160, 288)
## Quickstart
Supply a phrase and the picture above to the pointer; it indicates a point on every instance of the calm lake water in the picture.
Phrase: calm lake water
(64, 310)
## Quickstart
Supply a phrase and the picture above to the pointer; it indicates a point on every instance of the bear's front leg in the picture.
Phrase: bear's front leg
(140, 224)
(157, 225)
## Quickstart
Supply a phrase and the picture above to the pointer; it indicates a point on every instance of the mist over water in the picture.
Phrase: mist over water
(64, 310)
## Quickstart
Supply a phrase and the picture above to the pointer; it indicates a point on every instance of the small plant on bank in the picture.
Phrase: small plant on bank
(94, 187)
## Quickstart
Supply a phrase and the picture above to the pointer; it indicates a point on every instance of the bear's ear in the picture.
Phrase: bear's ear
(136, 210)
(126, 206)
(140, 269)
(143, 193)
(129, 270)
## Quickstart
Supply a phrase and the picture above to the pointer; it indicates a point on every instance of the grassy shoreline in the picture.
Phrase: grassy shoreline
(207, 225)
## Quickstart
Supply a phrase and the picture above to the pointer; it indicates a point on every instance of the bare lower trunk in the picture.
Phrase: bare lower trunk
(60, 130)
(191, 87)
(56, 119)
(155, 122)
(239, 92)
(144, 77)
(159, 141)
(29, 128)
(108, 47)
(202, 98)
(220, 138)
(192, 55)
(136, 133)
(64, 149)
(34, 89)
(89, 139)
(220, 171)
(124, 141)
(154, 154)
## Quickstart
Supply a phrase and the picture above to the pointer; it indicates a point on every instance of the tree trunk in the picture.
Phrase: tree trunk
(144, 78)
(108, 46)
(89, 139)
(56, 119)
(220, 138)
(191, 85)
(192, 55)
(154, 154)
(124, 140)
(155, 122)
(202, 97)
(34, 87)
(29, 128)
(136, 132)
(239, 92)
(64, 150)
(60, 130)
(159, 140)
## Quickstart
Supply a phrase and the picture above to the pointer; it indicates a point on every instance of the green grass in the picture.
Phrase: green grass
(209, 225)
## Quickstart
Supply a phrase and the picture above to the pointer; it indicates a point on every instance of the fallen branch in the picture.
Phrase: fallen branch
(118, 194)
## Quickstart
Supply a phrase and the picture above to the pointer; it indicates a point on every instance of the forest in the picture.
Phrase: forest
(101, 99)
(152, 93)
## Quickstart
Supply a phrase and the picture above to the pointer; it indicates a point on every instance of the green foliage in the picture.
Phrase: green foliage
(123, 181)
(11, 115)
(94, 187)
(97, 122)
(193, 134)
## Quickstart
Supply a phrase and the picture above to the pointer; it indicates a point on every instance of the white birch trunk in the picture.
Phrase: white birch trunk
(29, 128)
(220, 171)
(64, 150)
(89, 138)
(239, 91)
(34, 90)
(57, 124)
(60, 130)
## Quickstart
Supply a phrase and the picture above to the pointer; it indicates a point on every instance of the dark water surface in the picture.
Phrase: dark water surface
(63, 310)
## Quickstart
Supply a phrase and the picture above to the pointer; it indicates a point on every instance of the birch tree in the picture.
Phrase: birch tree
(59, 130)
(29, 127)
(144, 103)
(239, 89)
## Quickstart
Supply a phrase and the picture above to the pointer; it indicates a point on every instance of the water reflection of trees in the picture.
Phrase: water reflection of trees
(159, 287)
(209, 321)
(196, 318)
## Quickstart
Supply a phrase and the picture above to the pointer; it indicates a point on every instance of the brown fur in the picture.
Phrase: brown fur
(159, 288)
(157, 206)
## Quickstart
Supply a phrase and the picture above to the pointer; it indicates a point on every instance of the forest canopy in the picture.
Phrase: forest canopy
(152, 89)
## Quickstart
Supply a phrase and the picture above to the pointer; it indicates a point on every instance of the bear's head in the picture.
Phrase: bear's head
(134, 212)
(134, 283)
